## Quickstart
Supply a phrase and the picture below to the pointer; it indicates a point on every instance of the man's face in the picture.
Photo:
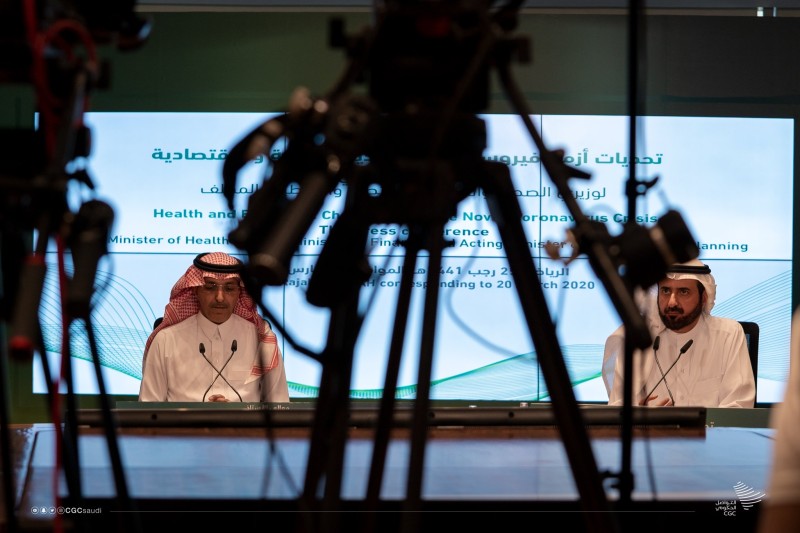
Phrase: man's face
(218, 298)
(680, 303)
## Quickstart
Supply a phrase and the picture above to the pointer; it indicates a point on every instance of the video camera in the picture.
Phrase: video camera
(427, 66)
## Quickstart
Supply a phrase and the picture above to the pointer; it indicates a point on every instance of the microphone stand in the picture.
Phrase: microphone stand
(661, 371)
(219, 372)
(634, 188)
(40, 192)
(63, 152)
(625, 481)
(683, 350)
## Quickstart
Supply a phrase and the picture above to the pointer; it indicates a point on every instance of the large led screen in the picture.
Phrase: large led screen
(730, 178)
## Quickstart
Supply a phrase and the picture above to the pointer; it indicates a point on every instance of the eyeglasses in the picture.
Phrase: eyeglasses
(228, 288)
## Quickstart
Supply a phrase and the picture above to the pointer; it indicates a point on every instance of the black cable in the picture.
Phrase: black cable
(110, 431)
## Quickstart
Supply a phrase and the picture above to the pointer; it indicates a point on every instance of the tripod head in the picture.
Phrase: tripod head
(406, 148)
(419, 54)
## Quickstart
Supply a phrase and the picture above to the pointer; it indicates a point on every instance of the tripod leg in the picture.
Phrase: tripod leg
(386, 413)
(419, 429)
(329, 433)
(505, 210)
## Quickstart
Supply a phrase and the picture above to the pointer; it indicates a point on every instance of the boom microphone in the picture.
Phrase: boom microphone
(88, 241)
(234, 347)
(664, 375)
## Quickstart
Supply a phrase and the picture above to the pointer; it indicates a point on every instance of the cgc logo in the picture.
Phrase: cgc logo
(747, 498)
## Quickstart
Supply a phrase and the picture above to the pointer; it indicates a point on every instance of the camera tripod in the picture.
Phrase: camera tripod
(426, 215)
(425, 143)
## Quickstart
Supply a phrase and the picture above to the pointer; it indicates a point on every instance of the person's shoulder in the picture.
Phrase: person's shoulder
(618, 333)
(724, 325)
(168, 331)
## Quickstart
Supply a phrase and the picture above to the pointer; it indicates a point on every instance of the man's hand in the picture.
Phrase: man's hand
(653, 401)
(217, 398)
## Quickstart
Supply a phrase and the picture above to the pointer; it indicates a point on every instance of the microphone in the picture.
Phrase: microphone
(664, 374)
(88, 240)
(656, 344)
(25, 332)
(202, 349)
